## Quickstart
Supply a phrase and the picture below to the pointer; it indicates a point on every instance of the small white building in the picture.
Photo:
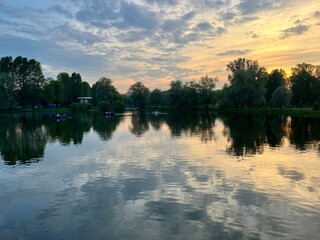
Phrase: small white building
(84, 99)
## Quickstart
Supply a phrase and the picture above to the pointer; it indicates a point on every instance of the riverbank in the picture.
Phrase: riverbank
(303, 112)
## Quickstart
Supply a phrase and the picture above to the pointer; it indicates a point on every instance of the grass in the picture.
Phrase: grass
(303, 112)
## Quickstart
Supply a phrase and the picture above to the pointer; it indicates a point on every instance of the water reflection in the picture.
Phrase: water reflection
(248, 134)
(69, 131)
(105, 126)
(139, 124)
(171, 176)
(24, 136)
(304, 131)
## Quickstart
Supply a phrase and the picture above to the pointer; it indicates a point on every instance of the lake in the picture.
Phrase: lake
(184, 175)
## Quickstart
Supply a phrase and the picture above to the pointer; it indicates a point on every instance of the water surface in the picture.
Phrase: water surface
(175, 176)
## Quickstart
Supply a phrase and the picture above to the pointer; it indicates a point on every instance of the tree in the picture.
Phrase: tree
(53, 92)
(64, 79)
(85, 89)
(176, 93)
(138, 94)
(155, 98)
(304, 82)
(104, 91)
(276, 79)
(27, 77)
(205, 89)
(76, 86)
(106, 96)
(7, 96)
(247, 83)
(281, 97)
(72, 87)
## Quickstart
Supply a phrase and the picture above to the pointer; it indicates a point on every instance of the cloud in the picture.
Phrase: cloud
(203, 26)
(234, 52)
(172, 25)
(56, 55)
(317, 14)
(134, 15)
(216, 3)
(228, 16)
(61, 10)
(188, 16)
(298, 30)
(160, 2)
(252, 34)
(255, 6)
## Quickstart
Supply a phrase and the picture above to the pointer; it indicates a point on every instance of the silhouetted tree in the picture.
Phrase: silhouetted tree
(27, 77)
(7, 94)
(281, 97)
(304, 82)
(155, 98)
(205, 89)
(276, 78)
(138, 94)
(247, 83)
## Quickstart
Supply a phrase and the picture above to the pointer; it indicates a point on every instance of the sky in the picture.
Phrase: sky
(156, 42)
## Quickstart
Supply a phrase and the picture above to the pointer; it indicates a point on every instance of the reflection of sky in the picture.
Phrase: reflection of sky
(159, 187)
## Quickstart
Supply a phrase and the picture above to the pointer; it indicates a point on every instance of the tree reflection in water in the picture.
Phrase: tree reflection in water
(24, 136)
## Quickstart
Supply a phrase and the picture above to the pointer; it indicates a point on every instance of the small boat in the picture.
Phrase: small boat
(108, 113)
(61, 116)
(156, 113)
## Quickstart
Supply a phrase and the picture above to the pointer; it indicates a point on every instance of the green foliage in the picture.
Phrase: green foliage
(155, 98)
(7, 94)
(281, 97)
(305, 80)
(247, 84)
(27, 78)
(205, 89)
(183, 95)
(276, 79)
(177, 94)
(138, 93)
(104, 91)
(118, 106)
(72, 87)
(81, 107)
(104, 106)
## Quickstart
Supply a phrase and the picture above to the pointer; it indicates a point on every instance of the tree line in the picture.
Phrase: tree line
(22, 84)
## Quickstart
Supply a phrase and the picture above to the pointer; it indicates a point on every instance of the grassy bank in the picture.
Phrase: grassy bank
(303, 112)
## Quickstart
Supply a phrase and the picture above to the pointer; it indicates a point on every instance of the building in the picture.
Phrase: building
(84, 99)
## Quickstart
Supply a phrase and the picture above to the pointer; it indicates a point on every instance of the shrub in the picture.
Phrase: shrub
(118, 106)
(80, 106)
(281, 97)
(104, 106)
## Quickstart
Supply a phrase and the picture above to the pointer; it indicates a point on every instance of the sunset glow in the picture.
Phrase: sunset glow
(159, 41)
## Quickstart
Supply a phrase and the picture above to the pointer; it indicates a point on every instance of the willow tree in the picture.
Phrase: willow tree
(138, 93)
(247, 81)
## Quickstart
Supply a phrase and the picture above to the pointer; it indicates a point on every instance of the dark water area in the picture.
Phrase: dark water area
(183, 175)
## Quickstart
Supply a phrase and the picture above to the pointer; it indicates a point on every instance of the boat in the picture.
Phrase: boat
(59, 116)
(156, 113)
(108, 113)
